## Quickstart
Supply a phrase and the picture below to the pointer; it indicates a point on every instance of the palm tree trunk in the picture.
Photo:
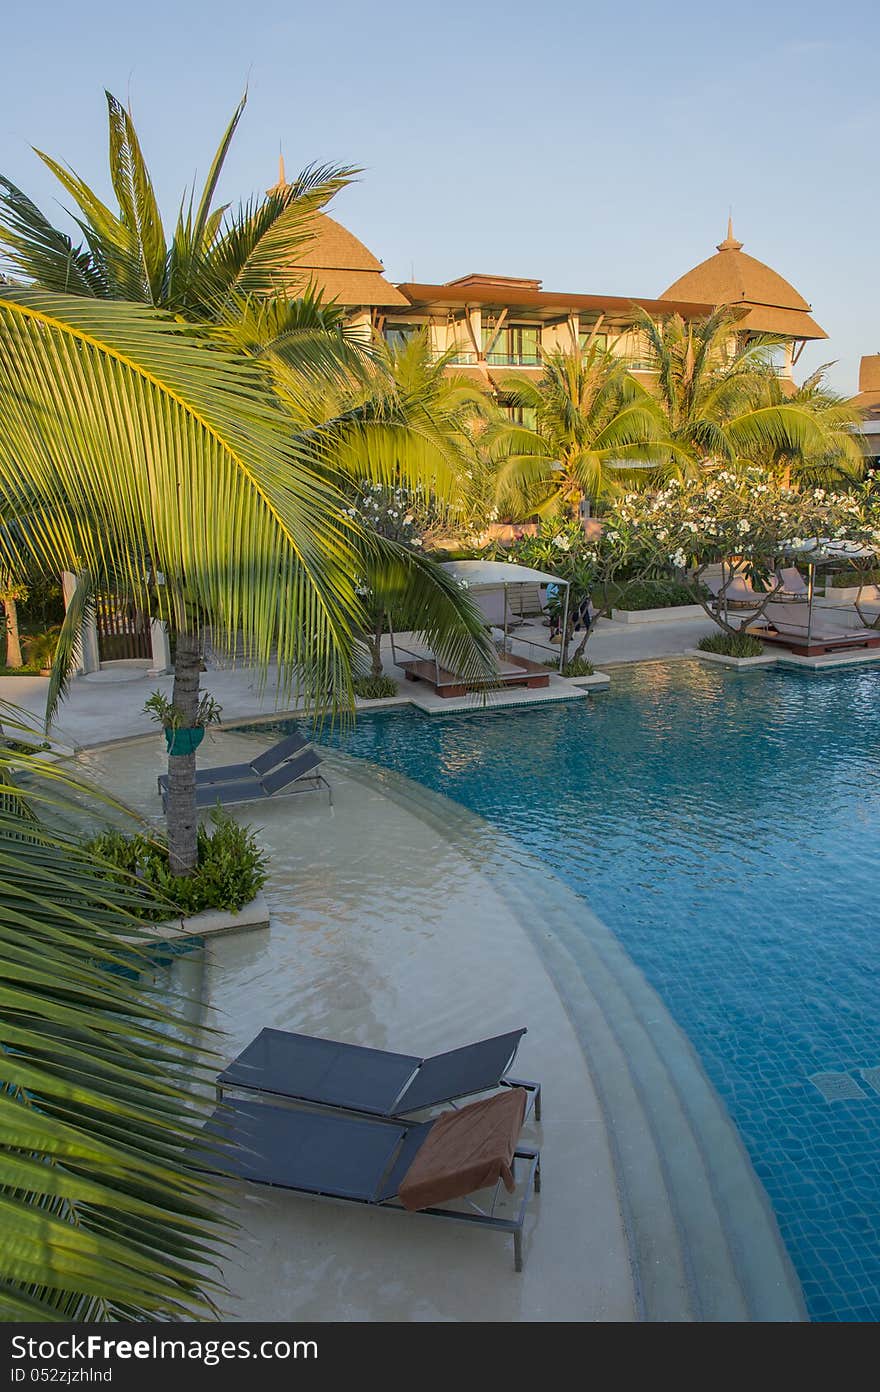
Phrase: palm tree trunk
(375, 645)
(182, 817)
(13, 642)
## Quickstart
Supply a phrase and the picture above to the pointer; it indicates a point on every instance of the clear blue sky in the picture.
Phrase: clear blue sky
(595, 146)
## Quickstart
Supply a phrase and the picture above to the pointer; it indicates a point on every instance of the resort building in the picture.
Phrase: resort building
(868, 402)
(496, 325)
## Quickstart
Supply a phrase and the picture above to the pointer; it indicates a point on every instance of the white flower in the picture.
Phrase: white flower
(561, 542)
(743, 526)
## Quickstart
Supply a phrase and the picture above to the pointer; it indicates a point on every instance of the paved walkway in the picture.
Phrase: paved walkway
(109, 705)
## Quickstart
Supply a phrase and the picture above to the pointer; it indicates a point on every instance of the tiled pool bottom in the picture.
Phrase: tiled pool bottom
(724, 825)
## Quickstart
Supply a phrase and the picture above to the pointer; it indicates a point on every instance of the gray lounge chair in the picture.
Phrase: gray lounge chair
(323, 1071)
(262, 764)
(295, 775)
(347, 1158)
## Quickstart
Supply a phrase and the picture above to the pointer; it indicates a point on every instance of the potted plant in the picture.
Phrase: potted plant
(182, 739)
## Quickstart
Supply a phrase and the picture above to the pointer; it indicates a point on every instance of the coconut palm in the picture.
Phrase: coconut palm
(841, 462)
(140, 453)
(267, 556)
(102, 1215)
(722, 403)
(594, 424)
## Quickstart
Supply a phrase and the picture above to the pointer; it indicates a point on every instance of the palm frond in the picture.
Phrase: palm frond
(161, 446)
(39, 251)
(103, 1216)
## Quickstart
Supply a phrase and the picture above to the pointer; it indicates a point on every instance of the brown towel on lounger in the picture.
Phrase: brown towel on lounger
(466, 1150)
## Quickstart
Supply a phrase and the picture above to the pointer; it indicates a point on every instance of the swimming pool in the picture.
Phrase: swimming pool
(724, 826)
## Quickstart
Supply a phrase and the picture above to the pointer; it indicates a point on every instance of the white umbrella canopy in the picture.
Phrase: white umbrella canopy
(490, 575)
(484, 577)
(825, 551)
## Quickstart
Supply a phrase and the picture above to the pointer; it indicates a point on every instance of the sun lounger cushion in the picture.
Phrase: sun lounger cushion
(466, 1150)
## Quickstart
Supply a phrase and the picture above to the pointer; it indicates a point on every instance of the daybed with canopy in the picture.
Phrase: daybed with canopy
(498, 589)
(792, 621)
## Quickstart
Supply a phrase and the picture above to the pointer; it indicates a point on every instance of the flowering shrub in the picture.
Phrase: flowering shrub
(390, 512)
(395, 514)
(734, 515)
(588, 563)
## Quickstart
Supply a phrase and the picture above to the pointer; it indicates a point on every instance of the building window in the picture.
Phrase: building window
(396, 334)
(517, 345)
(521, 415)
(598, 341)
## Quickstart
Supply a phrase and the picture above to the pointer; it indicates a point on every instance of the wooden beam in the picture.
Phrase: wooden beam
(498, 327)
(471, 335)
(796, 352)
(594, 330)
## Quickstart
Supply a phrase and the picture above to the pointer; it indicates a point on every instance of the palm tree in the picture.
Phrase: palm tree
(841, 462)
(103, 1216)
(722, 403)
(142, 454)
(593, 424)
(266, 554)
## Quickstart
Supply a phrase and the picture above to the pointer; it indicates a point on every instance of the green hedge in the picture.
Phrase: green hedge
(655, 594)
(231, 867)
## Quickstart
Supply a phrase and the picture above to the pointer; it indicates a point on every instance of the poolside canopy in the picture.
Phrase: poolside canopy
(484, 577)
(494, 575)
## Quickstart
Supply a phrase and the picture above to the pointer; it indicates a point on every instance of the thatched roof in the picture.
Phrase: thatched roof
(868, 398)
(339, 265)
(730, 277)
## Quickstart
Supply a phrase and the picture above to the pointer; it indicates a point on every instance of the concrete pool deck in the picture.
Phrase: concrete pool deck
(399, 920)
(109, 704)
(382, 933)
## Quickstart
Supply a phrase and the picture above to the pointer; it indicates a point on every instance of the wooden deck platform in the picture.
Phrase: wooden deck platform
(519, 671)
(817, 646)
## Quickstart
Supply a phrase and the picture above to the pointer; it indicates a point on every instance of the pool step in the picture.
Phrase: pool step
(703, 1239)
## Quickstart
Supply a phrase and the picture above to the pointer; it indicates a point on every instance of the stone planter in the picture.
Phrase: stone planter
(211, 922)
(670, 614)
(599, 681)
(765, 660)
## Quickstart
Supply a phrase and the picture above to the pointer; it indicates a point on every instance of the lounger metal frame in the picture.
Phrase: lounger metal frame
(408, 1130)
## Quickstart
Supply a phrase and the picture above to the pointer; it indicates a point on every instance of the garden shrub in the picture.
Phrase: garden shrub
(231, 867)
(374, 688)
(578, 667)
(656, 594)
(732, 644)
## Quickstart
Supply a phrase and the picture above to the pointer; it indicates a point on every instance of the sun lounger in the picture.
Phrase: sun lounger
(792, 583)
(388, 1164)
(296, 775)
(349, 1076)
(262, 764)
(738, 594)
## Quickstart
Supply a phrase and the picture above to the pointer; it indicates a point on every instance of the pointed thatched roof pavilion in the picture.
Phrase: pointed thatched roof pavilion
(339, 265)
(730, 277)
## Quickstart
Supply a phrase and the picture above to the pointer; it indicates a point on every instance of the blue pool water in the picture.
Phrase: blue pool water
(725, 826)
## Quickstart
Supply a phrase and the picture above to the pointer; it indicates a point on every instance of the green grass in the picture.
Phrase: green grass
(732, 644)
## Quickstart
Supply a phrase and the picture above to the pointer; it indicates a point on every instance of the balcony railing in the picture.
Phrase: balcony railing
(514, 359)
